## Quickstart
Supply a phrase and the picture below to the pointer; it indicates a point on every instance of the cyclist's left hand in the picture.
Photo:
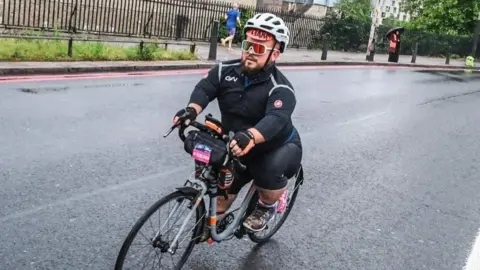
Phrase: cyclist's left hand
(242, 143)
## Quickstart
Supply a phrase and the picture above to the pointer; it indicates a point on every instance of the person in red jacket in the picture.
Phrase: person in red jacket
(394, 47)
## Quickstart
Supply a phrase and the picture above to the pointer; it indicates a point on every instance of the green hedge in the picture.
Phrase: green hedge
(352, 36)
(18, 49)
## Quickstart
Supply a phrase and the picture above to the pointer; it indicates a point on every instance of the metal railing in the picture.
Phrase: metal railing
(192, 20)
(172, 19)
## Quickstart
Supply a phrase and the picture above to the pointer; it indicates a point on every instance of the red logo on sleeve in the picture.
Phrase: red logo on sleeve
(278, 103)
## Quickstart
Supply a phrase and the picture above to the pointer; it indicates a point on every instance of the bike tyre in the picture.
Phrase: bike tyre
(261, 240)
(200, 211)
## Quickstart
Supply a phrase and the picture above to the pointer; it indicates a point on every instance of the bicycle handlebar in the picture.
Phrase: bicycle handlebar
(202, 127)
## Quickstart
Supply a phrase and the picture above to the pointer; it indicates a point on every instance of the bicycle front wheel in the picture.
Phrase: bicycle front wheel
(159, 240)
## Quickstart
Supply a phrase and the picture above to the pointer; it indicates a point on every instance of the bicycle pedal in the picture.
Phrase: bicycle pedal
(247, 230)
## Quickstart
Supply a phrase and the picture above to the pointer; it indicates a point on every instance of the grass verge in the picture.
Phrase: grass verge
(57, 50)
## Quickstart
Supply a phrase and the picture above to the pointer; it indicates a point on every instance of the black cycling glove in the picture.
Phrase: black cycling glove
(244, 139)
(187, 113)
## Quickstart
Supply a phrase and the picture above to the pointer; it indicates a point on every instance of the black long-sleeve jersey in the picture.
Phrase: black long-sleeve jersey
(265, 101)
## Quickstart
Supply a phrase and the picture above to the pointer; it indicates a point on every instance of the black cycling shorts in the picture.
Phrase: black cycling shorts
(270, 170)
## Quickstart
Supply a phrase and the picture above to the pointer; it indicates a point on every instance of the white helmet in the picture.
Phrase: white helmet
(272, 24)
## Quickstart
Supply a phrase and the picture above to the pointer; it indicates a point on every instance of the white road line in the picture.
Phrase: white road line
(361, 118)
(473, 261)
(87, 195)
(307, 134)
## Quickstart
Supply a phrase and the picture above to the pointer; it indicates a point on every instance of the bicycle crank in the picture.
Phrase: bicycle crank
(225, 222)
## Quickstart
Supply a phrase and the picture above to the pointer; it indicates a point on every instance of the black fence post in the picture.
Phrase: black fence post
(324, 50)
(212, 55)
(141, 47)
(325, 47)
(70, 47)
(447, 61)
(414, 54)
(192, 48)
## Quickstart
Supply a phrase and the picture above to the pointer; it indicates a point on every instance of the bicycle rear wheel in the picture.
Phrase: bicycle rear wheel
(257, 237)
(159, 242)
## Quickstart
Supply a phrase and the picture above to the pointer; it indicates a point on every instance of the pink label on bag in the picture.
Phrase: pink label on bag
(201, 154)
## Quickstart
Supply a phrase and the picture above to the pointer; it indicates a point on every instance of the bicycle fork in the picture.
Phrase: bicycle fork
(203, 191)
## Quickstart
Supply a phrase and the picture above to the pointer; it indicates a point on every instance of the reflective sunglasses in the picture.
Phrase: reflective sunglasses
(255, 48)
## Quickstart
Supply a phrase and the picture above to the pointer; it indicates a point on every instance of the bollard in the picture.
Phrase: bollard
(371, 55)
(70, 47)
(324, 50)
(414, 54)
(192, 48)
(469, 61)
(141, 46)
(212, 54)
(447, 61)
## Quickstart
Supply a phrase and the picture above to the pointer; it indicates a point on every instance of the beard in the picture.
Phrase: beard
(248, 70)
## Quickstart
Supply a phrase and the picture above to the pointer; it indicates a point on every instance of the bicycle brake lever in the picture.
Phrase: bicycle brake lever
(170, 131)
(174, 126)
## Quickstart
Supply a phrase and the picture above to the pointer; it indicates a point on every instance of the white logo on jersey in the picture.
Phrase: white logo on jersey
(229, 79)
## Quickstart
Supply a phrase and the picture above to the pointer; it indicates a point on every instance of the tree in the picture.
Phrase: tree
(393, 22)
(347, 28)
(455, 17)
(355, 10)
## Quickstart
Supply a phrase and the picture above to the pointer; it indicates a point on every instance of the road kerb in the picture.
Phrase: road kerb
(65, 69)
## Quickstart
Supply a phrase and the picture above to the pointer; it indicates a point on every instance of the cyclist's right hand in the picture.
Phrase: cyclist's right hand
(185, 115)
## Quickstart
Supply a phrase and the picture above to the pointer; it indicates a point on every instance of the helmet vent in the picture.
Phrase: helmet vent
(266, 26)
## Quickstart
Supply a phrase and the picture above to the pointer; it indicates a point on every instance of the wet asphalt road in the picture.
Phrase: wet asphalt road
(391, 164)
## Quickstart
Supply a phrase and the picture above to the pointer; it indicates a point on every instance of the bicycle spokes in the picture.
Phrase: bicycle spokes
(154, 240)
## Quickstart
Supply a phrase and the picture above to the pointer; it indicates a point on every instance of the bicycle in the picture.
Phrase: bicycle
(205, 183)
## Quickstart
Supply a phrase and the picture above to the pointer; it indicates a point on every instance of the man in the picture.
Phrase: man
(256, 102)
(232, 17)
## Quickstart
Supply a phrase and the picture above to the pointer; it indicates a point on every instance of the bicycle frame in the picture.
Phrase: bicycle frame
(211, 213)
(230, 229)
(212, 190)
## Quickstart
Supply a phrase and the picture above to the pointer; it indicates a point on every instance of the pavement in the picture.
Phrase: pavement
(301, 57)
(391, 160)
(307, 56)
